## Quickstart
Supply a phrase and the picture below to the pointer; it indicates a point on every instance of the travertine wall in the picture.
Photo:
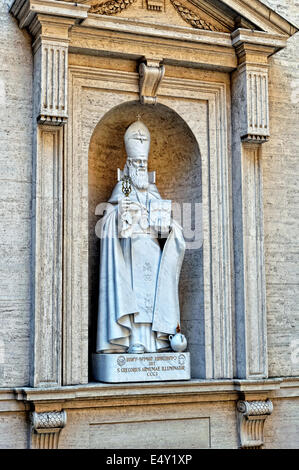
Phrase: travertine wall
(282, 427)
(15, 198)
(281, 203)
(13, 430)
(187, 426)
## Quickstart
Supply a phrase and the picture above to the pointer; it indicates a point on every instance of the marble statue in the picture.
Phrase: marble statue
(142, 250)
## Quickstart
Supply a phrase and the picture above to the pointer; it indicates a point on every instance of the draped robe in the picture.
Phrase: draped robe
(127, 266)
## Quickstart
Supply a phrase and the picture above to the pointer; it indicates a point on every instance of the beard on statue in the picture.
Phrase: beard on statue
(139, 176)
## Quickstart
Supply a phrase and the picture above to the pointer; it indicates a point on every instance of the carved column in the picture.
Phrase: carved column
(49, 23)
(250, 122)
(251, 420)
(46, 428)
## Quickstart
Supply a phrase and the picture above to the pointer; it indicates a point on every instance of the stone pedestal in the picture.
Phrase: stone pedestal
(148, 367)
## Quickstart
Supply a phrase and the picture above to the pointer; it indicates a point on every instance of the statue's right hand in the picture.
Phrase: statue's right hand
(124, 205)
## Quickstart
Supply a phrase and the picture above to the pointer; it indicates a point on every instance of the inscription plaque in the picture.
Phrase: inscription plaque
(148, 367)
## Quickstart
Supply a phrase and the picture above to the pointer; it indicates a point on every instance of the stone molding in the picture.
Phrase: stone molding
(46, 428)
(102, 395)
(251, 420)
(263, 16)
(142, 393)
(206, 48)
(216, 215)
(26, 10)
(151, 75)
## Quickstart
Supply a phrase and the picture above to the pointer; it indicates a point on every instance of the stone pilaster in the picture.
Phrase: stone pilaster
(251, 420)
(46, 428)
(49, 23)
(47, 257)
(250, 124)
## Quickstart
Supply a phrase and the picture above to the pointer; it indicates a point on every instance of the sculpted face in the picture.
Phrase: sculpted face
(138, 171)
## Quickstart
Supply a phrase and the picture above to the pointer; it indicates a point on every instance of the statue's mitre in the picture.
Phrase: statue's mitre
(137, 140)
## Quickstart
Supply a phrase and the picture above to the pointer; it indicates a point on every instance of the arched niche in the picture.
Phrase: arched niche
(175, 156)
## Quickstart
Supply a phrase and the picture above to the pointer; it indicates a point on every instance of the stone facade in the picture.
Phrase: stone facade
(203, 410)
(16, 178)
(281, 205)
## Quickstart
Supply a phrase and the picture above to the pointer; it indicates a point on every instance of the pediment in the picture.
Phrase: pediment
(213, 15)
(175, 12)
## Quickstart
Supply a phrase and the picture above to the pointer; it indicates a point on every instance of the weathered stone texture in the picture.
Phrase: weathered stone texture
(104, 428)
(281, 203)
(13, 431)
(15, 197)
(282, 427)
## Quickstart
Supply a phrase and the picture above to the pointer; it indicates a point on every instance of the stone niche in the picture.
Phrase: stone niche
(175, 156)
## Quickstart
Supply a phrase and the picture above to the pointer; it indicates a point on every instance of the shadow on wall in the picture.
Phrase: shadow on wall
(175, 157)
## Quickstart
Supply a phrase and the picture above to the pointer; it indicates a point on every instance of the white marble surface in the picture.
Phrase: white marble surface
(138, 282)
(148, 367)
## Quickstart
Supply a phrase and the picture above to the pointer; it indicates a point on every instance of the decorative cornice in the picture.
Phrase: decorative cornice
(193, 18)
(112, 7)
(255, 40)
(26, 10)
(262, 16)
(258, 139)
(172, 391)
(251, 417)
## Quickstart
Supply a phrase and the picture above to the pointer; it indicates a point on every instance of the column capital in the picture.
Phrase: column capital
(255, 47)
(250, 82)
(49, 22)
(26, 11)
